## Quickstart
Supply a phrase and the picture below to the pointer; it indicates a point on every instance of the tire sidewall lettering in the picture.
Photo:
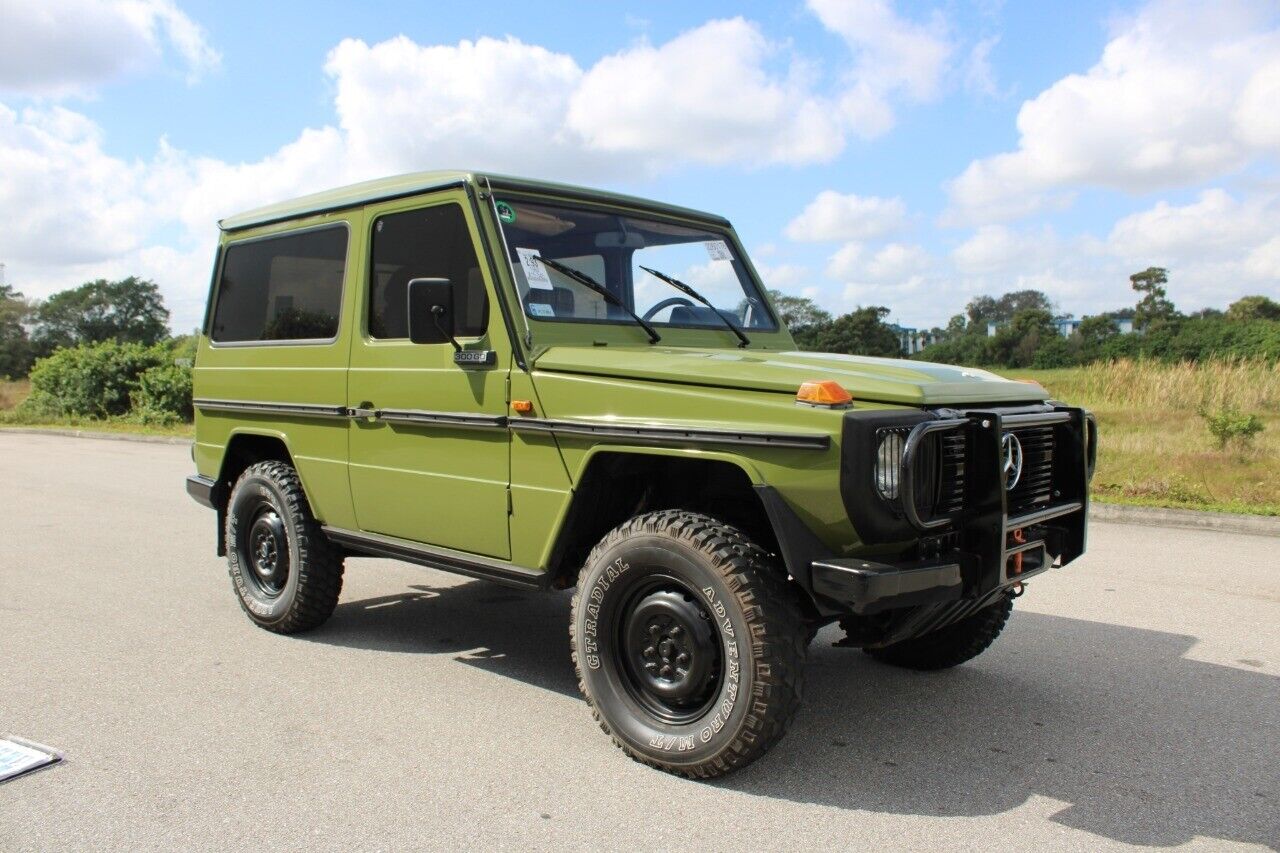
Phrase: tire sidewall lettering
(262, 488)
(699, 739)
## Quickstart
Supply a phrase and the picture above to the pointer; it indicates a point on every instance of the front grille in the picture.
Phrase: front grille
(1035, 486)
(950, 499)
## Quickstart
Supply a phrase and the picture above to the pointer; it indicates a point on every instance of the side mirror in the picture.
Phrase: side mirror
(431, 311)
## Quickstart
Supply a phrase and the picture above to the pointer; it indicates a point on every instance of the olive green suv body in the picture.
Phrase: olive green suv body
(487, 375)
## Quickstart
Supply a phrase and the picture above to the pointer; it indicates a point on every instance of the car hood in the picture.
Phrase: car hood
(884, 380)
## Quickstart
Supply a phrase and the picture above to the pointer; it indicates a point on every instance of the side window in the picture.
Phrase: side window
(432, 242)
(281, 288)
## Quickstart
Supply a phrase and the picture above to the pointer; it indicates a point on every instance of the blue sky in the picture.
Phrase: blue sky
(908, 155)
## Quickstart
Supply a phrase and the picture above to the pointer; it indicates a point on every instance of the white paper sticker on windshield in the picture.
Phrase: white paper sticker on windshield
(540, 309)
(534, 272)
(718, 250)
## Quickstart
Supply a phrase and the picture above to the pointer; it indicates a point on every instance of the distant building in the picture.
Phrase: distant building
(1068, 326)
(913, 340)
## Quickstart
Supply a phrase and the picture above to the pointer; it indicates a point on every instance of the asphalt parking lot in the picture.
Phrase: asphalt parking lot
(1133, 700)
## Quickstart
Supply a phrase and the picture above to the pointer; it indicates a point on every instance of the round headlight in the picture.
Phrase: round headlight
(888, 465)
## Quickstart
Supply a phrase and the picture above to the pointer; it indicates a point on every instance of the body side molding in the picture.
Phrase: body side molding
(672, 435)
(377, 545)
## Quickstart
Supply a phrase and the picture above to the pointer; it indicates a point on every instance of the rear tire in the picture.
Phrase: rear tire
(286, 574)
(689, 644)
(952, 645)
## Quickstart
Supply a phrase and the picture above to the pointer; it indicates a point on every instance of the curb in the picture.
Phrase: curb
(1188, 519)
(106, 436)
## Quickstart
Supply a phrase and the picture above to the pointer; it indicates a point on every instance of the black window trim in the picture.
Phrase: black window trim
(282, 342)
(366, 312)
(715, 225)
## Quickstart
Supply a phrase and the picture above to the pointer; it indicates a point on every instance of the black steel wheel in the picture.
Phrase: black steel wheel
(266, 549)
(286, 574)
(668, 650)
(688, 642)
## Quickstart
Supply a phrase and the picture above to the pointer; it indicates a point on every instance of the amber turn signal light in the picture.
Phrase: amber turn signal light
(826, 392)
(524, 407)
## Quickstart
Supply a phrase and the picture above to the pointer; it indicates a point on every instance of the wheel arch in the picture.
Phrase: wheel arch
(245, 447)
(618, 482)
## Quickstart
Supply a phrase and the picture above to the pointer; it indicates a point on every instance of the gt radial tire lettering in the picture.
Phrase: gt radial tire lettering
(751, 624)
(590, 646)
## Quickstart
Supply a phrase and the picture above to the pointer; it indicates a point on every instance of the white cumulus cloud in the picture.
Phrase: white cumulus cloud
(1183, 92)
(62, 47)
(833, 216)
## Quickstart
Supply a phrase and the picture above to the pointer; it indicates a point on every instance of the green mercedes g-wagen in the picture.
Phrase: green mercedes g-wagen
(552, 387)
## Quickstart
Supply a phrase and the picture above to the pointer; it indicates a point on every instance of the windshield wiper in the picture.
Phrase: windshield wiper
(689, 291)
(596, 287)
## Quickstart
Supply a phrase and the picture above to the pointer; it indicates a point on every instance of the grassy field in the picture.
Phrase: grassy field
(1155, 448)
(13, 392)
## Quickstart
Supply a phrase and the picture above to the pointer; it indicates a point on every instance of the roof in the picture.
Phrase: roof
(399, 186)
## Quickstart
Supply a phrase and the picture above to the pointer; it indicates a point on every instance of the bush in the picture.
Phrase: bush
(163, 395)
(1229, 424)
(90, 381)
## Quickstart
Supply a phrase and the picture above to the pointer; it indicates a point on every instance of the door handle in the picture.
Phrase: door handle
(364, 411)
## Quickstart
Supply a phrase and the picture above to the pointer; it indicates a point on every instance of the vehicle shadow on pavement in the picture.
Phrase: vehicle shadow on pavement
(1143, 745)
(509, 632)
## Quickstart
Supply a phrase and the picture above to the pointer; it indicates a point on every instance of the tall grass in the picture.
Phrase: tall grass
(1240, 384)
(1155, 445)
(13, 392)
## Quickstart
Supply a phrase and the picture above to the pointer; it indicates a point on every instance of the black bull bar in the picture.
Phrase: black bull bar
(991, 547)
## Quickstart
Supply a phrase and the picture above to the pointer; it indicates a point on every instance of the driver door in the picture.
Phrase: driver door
(418, 471)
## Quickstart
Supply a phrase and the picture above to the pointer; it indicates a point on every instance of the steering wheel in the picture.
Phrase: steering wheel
(667, 303)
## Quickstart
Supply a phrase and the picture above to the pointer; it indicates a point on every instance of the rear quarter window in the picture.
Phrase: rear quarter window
(281, 288)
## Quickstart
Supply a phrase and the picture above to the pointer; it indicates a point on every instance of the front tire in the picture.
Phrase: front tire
(286, 574)
(689, 644)
(952, 645)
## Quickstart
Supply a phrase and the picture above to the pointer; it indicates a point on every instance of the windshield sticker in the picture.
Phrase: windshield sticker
(534, 272)
(718, 250)
(506, 212)
(540, 309)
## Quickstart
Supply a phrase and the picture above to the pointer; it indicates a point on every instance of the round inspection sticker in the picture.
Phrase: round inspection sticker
(505, 212)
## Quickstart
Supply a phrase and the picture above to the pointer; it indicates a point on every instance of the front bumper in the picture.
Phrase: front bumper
(201, 489)
(991, 542)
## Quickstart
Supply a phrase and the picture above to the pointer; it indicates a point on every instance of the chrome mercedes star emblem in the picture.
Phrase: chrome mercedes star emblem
(1011, 453)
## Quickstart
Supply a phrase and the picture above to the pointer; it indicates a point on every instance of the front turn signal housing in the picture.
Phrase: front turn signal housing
(825, 392)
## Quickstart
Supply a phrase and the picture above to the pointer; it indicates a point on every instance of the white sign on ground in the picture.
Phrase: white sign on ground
(19, 756)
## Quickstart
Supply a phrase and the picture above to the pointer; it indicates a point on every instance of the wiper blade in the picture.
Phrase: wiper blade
(596, 287)
(679, 285)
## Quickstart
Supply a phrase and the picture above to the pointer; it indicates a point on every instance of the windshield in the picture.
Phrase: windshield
(612, 249)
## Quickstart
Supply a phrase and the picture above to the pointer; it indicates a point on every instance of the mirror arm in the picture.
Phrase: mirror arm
(437, 311)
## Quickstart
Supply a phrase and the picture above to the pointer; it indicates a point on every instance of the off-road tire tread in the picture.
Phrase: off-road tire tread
(952, 645)
(320, 564)
(772, 608)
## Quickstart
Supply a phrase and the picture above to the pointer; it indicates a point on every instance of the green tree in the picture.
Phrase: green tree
(860, 332)
(1094, 331)
(1016, 343)
(803, 317)
(1154, 307)
(127, 311)
(982, 310)
(15, 345)
(1251, 308)
(799, 312)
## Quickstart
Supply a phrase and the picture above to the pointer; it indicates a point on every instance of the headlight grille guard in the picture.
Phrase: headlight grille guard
(984, 463)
